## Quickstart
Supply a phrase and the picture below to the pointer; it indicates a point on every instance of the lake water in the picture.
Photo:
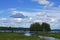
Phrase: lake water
(48, 38)
(11, 31)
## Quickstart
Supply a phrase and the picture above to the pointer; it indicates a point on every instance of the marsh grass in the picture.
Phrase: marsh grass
(17, 36)
(55, 35)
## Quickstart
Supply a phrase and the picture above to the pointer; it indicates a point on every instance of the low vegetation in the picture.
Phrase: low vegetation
(55, 35)
(17, 36)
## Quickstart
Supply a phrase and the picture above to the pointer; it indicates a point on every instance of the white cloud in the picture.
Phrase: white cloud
(49, 5)
(14, 22)
(53, 19)
(40, 15)
(17, 19)
(49, 16)
(3, 18)
(23, 13)
(30, 18)
(36, 21)
(45, 3)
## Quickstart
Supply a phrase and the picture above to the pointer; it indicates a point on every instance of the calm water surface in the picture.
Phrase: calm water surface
(48, 38)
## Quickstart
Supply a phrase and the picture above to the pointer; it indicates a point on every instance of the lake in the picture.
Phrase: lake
(25, 31)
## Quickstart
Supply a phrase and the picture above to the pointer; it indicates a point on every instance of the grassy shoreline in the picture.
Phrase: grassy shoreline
(55, 35)
(17, 36)
(21, 36)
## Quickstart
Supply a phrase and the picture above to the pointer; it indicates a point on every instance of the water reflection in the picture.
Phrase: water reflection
(48, 38)
(27, 33)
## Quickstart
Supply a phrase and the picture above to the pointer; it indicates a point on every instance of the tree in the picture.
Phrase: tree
(10, 28)
(35, 27)
(45, 26)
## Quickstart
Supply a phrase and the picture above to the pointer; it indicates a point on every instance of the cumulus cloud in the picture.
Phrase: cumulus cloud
(22, 12)
(3, 19)
(49, 5)
(19, 19)
(18, 14)
(39, 17)
(34, 15)
(45, 3)
(14, 22)
(48, 17)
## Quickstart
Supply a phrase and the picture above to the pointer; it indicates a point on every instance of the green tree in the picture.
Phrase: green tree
(45, 26)
(10, 28)
(35, 27)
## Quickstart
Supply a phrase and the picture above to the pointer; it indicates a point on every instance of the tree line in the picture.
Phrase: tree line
(33, 27)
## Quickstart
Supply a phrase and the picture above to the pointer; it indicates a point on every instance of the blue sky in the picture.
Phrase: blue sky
(21, 13)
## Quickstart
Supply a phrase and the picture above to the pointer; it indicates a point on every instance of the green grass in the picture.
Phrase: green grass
(21, 36)
(17, 36)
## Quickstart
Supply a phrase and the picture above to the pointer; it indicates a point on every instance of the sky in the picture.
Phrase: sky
(22, 13)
